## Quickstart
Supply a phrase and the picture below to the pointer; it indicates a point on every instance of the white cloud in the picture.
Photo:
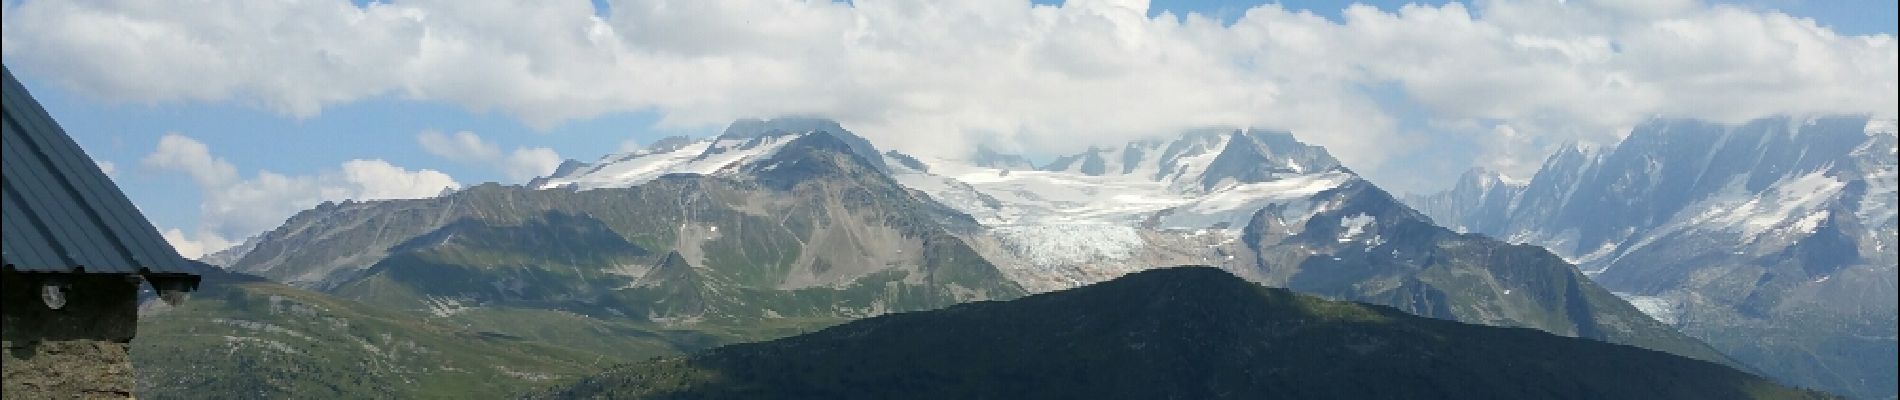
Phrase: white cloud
(237, 207)
(111, 170)
(463, 146)
(527, 163)
(522, 164)
(180, 153)
(937, 76)
(196, 246)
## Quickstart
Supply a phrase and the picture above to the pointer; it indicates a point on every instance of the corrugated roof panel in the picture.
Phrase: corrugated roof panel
(61, 210)
(111, 209)
(48, 202)
(29, 246)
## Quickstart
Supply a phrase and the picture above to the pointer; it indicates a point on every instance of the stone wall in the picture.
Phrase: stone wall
(77, 351)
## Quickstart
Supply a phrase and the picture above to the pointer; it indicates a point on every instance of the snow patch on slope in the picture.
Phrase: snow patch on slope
(444, 306)
(1658, 307)
(704, 157)
(1791, 204)
(1354, 226)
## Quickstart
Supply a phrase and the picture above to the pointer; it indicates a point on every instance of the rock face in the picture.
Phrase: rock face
(1190, 332)
(1773, 240)
(77, 351)
(1469, 205)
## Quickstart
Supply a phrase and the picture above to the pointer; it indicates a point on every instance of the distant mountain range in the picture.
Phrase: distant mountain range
(1190, 332)
(1773, 240)
(777, 227)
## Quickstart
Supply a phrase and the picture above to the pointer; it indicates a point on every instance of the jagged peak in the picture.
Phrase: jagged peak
(1278, 150)
(821, 139)
(1485, 178)
(907, 161)
(1572, 148)
(745, 143)
(1477, 178)
(1478, 173)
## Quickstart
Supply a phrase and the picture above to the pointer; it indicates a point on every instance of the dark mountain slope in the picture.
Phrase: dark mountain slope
(1174, 333)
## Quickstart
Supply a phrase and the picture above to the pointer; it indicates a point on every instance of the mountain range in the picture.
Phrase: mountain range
(1773, 240)
(779, 227)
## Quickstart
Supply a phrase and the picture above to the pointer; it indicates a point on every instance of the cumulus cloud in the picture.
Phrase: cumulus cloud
(930, 76)
(195, 246)
(236, 207)
(466, 147)
(180, 153)
(527, 163)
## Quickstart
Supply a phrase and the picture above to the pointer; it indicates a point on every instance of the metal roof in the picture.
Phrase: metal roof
(62, 214)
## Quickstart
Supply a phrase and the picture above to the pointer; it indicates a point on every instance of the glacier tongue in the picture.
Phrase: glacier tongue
(1055, 245)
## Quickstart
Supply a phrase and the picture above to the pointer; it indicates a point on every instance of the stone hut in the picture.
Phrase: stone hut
(75, 254)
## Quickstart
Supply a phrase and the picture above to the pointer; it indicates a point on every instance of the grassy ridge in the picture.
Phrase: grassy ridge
(1173, 333)
(243, 337)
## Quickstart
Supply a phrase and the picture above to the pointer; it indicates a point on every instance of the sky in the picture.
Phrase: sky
(222, 118)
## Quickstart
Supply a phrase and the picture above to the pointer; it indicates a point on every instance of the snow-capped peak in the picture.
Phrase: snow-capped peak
(705, 157)
(744, 142)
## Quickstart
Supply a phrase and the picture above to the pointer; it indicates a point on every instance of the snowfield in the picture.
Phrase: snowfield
(704, 157)
(1000, 198)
